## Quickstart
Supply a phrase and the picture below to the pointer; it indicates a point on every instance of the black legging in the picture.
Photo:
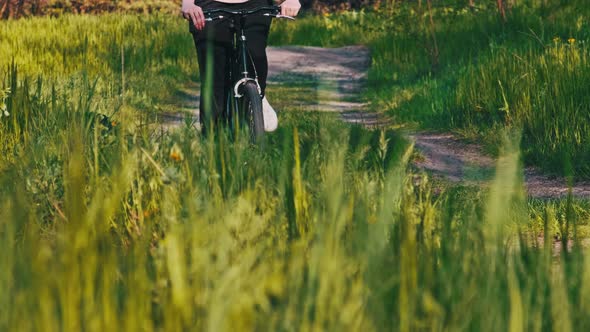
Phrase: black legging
(218, 36)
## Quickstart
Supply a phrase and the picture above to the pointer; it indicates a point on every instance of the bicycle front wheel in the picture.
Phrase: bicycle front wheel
(252, 110)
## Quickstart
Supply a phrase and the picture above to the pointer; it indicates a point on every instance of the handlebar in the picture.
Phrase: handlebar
(271, 11)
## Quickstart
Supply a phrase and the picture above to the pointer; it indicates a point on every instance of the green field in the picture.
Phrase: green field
(327, 227)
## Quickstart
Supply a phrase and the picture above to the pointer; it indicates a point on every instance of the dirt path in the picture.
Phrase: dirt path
(339, 75)
(445, 155)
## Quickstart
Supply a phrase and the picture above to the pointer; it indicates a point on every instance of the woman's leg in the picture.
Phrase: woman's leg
(256, 30)
(212, 59)
(213, 45)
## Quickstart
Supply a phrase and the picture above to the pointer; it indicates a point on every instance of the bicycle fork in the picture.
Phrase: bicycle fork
(243, 54)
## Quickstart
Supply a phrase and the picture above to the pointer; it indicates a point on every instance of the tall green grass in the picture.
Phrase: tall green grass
(483, 75)
(140, 59)
(322, 229)
(68, 44)
(521, 74)
(326, 227)
(328, 30)
(544, 90)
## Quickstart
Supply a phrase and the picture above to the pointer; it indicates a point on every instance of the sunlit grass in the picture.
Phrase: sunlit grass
(326, 227)
(528, 73)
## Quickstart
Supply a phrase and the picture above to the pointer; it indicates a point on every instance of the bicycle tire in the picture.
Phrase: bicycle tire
(252, 110)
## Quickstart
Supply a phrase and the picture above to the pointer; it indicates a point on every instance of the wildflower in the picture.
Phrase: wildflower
(3, 96)
(571, 40)
(175, 156)
(176, 153)
(114, 123)
(150, 212)
(556, 39)
(3, 111)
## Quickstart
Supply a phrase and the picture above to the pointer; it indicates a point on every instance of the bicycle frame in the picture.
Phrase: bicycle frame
(238, 71)
(239, 60)
(240, 46)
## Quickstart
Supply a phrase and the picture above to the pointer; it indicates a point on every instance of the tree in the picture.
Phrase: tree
(19, 8)
(4, 9)
(502, 9)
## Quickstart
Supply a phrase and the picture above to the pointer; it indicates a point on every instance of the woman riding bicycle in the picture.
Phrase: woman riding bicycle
(217, 35)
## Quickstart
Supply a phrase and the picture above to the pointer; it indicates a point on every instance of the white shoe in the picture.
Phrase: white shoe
(271, 122)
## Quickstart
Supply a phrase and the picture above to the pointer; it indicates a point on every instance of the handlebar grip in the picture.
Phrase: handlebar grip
(211, 19)
(215, 14)
(285, 16)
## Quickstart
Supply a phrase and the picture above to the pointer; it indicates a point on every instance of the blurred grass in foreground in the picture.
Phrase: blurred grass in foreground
(324, 228)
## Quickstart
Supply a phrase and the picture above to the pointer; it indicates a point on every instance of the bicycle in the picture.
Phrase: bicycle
(245, 98)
